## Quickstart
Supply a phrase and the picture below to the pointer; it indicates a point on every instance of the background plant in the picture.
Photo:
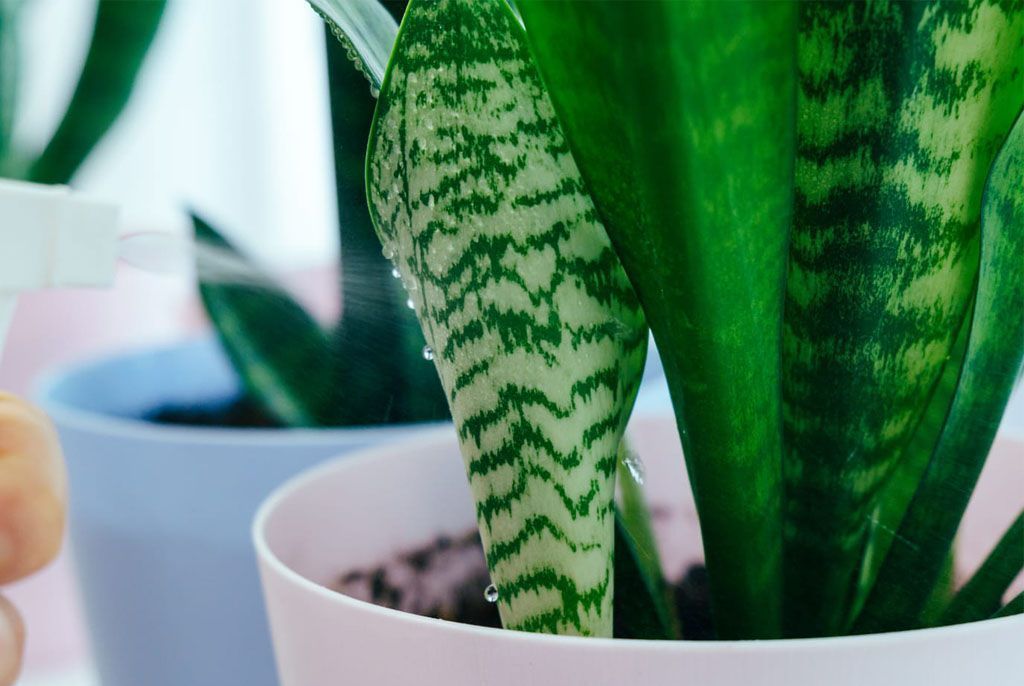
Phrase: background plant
(820, 210)
(121, 35)
(366, 368)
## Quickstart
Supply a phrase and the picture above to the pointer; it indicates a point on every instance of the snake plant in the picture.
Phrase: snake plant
(121, 36)
(818, 209)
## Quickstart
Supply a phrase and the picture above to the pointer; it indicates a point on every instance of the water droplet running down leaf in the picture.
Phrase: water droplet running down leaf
(491, 593)
(635, 466)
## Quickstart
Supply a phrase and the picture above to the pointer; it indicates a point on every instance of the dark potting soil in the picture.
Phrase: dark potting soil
(447, 579)
(693, 604)
(240, 413)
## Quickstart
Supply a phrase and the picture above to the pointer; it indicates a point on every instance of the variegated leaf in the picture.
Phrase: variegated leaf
(537, 334)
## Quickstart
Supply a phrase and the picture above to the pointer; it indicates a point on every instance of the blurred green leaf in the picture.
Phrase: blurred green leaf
(10, 62)
(377, 344)
(694, 184)
(121, 37)
(995, 350)
(278, 349)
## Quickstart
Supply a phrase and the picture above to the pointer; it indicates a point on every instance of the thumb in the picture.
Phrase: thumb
(32, 489)
(12, 641)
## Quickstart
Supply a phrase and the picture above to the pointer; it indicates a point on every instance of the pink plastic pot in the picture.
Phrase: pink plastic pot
(355, 513)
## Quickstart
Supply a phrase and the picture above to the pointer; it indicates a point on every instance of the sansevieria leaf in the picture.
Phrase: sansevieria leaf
(680, 115)
(367, 30)
(537, 335)
(898, 491)
(121, 37)
(1014, 607)
(276, 363)
(995, 350)
(902, 108)
(983, 593)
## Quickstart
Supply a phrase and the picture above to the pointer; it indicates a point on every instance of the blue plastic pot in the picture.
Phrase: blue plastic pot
(160, 516)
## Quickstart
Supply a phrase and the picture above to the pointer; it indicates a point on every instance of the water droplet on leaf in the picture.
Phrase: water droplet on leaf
(491, 593)
(635, 466)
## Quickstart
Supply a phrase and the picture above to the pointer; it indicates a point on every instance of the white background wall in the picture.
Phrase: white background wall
(230, 117)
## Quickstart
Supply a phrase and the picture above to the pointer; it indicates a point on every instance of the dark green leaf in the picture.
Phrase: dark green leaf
(121, 36)
(902, 108)
(983, 594)
(279, 351)
(680, 115)
(1014, 607)
(942, 594)
(640, 608)
(897, 493)
(379, 368)
(995, 349)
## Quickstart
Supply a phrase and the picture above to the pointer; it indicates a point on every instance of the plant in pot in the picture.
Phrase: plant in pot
(170, 451)
(818, 210)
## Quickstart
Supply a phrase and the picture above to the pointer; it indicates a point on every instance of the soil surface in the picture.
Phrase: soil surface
(239, 413)
(447, 579)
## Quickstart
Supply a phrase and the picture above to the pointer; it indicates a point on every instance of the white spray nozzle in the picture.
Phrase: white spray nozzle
(51, 236)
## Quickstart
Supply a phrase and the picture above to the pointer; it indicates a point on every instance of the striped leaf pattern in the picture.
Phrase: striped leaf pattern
(982, 595)
(537, 335)
(902, 108)
(993, 358)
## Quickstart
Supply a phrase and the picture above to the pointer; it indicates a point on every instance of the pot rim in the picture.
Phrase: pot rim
(394, 450)
(68, 414)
